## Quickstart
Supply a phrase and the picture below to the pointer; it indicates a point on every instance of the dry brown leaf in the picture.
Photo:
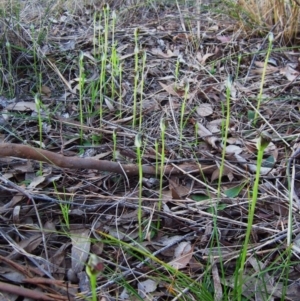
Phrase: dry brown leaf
(22, 106)
(224, 39)
(260, 68)
(16, 214)
(97, 248)
(175, 53)
(109, 104)
(218, 291)
(46, 91)
(13, 276)
(215, 125)
(183, 254)
(169, 89)
(121, 233)
(263, 170)
(18, 197)
(178, 191)
(205, 109)
(208, 230)
(290, 73)
(39, 143)
(36, 181)
(169, 240)
(202, 58)
(145, 287)
(234, 140)
(160, 53)
(226, 172)
(195, 265)
(102, 155)
(81, 244)
(69, 45)
(213, 28)
(207, 136)
(280, 209)
(233, 149)
(57, 260)
(183, 37)
(168, 221)
(31, 243)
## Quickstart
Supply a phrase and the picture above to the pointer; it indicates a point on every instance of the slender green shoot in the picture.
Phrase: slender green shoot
(10, 70)
(96, 29)
(106, 14)
(196, 134)
(35, 62)
(113, 27)
(93, 268)
(38, 104)
(156, 157)
(40, 122)
(262, 82)
(101, 86)
(138, 145)
(262, 144)
(239, 65)
(64, 207)
(142, 83)
(114, 70)
(103, 47)
(186, 92)
(291, 188)
(225, 129)
(177, 72)
(215, 207)
(286, 271)
(114, 145)
(106, 52)
(120, 92)
(114, 57)
(2, 77)
(81, 87)
(162, 125)
(136, 74)
(93, 91)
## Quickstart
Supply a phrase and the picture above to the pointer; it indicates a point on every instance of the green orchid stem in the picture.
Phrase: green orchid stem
(186, 91)
(138, 145)
(140, 193)
(93, 280)
(225, 128)
(136, 76)
(40, 121)
(162, 164)
(262, 144)
(259, 98)
(81, 87)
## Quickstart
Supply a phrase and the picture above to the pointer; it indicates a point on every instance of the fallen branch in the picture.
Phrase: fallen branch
(25, 292)
(28, 152)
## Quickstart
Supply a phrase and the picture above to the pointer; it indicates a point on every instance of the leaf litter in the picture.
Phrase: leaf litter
(47, 253)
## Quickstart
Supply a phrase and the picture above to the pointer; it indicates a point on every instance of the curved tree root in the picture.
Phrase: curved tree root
(28, 152)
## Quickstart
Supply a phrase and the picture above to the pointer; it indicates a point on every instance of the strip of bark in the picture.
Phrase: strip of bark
(28, 152)
(25, 292)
